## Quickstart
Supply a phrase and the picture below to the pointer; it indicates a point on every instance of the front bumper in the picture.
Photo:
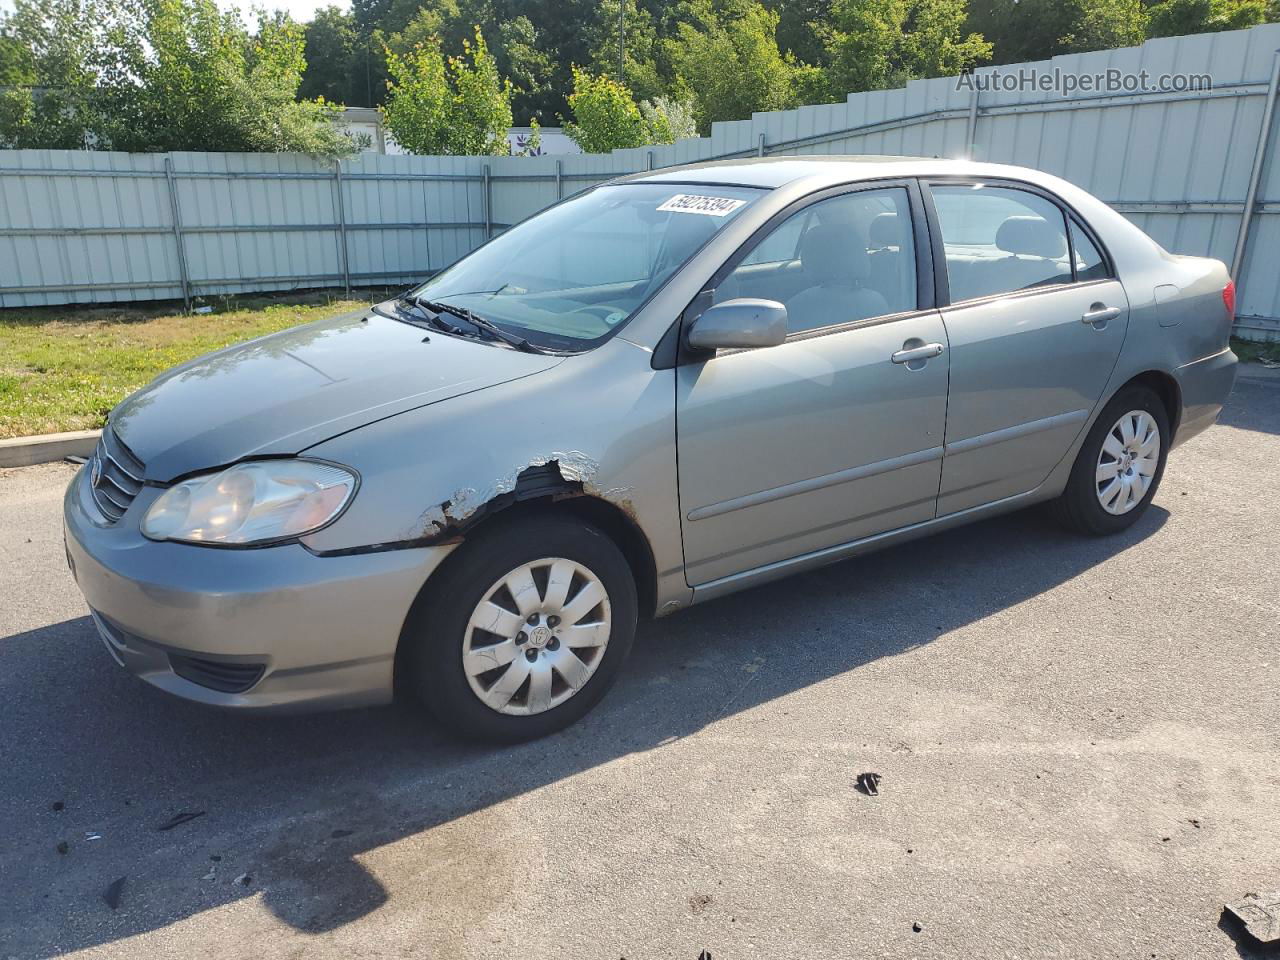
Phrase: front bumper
(277, 628)
(1205, 385)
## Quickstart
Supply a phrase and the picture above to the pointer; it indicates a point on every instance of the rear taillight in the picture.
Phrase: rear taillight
(1229, 299)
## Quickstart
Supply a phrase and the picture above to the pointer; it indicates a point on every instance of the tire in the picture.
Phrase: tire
(445, 652)
(1081, 506)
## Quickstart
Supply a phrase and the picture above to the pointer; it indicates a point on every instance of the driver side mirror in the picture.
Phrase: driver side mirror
(741, 323)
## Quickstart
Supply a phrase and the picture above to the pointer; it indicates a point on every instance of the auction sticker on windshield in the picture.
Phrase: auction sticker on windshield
(710, 206)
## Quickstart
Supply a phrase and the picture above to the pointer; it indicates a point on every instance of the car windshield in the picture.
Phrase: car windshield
(576, 273)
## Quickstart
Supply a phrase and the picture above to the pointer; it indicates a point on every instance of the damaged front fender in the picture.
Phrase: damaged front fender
(429, 476)
(555, 475)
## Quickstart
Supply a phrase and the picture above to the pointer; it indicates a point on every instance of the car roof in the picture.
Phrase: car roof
(773, 172)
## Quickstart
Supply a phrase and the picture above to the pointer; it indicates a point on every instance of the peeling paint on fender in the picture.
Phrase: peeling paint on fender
(574, 466)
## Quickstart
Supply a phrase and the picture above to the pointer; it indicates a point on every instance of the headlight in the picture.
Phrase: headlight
(251, 503)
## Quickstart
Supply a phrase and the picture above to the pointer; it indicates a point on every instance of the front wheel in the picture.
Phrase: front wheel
(1118, 469)
(523, 631)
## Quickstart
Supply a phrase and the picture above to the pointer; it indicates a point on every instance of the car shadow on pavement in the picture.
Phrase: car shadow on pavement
(1255, 400)
(290, 804)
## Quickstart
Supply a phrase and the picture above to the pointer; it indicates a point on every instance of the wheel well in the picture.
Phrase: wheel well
(1167, 389)
(568, 499)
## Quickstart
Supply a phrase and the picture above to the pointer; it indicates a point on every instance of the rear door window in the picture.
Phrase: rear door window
(999, 240)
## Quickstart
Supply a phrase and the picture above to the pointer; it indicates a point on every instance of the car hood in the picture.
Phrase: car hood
(291, 390)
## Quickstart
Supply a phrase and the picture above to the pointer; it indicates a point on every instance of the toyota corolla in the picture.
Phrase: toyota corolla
(667, 388)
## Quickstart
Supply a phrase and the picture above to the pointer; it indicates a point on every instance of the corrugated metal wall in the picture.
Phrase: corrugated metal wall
(102, 227)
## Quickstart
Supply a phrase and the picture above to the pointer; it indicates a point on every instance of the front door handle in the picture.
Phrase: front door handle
(1098, 313)
(911, 354)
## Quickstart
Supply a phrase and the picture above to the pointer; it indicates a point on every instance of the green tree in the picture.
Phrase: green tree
(1106, 24)
(1174, 18)
(267, 111)
(877, 44)
(204, 83)
(334, 61)
(529, 68)
(1022, 30)
(802, 28)
(638, 46)
(456, 107)
(605, 116)
(726, 55)
(16, 68)
(481, 113)
(147, 75)
(53, 57)
(417, 107)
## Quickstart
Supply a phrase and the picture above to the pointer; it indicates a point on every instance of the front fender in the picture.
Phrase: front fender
(603, 421)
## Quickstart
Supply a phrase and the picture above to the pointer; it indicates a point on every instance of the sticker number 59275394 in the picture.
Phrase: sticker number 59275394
(708, 206)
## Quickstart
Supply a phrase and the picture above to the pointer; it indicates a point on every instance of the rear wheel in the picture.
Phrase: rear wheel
(523, 631)
(1118, 469)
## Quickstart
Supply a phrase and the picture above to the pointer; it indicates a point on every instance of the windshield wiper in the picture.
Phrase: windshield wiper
(480, 323)
(430, 314)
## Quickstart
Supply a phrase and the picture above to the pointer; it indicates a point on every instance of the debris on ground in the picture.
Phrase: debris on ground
(211, 875)
(339, 834)
(1260, 914)
(917, 926)
(58, 805)
(869, 784)
(74, 458)
(62, 846)
(90, 835)
(180, 818)
(244, 880)
(111, 896)
(699, 902)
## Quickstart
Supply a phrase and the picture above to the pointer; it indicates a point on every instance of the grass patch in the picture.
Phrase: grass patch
(1250, 352)
(65, 368)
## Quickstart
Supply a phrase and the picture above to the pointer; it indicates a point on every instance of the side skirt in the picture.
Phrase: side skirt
(843, 551)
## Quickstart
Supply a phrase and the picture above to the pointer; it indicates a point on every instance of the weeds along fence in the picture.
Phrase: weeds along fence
(1195, 168)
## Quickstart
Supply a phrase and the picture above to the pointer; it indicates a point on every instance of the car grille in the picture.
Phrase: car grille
(217, 675)
(115, 476)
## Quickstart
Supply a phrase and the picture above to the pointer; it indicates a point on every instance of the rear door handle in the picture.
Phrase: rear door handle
(926, 352)
(1100, 314)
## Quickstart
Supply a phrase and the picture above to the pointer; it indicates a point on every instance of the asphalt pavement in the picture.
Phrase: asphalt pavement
(1078, 740)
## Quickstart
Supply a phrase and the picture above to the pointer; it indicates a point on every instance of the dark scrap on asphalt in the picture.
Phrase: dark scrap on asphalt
(111, 896)
(869, 784)
(180, 818)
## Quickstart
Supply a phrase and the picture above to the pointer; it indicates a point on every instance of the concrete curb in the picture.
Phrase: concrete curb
(25, 451)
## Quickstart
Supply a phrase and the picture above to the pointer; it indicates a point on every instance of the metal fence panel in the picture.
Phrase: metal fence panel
(100, 227)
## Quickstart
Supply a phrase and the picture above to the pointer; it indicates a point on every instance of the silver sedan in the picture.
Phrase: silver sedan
(670, 387)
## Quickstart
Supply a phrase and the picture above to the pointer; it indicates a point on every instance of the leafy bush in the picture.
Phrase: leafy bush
(460, 106)
(669, 119)
(605, 117)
